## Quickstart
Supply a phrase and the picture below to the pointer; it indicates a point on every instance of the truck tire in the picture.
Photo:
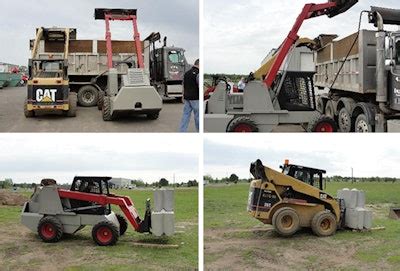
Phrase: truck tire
(50, 229)
(344, 120)
(242, 125)
(362, 125)
(123, 224)
(106, 109)
(28, 113)
(100, 99)
(105, 233)
(320, 105)
(87, 96)
(324, 224)
(73, 104)
(286, 221)
(322, 124)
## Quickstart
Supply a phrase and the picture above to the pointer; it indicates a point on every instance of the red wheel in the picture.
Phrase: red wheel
(322, 124)
(50, 229)
(242, 125)
(324, 127)
(105, 233)
(243, 128)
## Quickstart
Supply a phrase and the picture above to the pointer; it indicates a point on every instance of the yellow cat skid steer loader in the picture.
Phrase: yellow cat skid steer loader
(48, 84)
(292, 199)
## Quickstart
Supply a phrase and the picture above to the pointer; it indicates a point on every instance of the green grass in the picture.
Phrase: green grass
(124, 255)
(225, 208)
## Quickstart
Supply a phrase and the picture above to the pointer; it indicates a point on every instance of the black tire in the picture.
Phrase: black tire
(73, 104)
(88, 95)
(324, 224)
(242, 125)
(322, 124)
(123, 224)
(153, 116)
(28, 113)
(50, 229)
(106, 109)
(344, 120)
(362, 125)
(100, 99)
(105, 233)
(286, 221)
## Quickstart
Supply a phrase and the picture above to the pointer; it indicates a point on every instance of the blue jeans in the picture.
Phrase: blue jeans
(189, 106)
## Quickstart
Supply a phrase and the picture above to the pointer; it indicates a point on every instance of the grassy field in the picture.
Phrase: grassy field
(20, 249)
(233, 237)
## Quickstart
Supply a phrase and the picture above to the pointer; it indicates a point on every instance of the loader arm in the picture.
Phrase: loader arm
(120, 15)
(125, 203)
(331, 9)
(38, 37)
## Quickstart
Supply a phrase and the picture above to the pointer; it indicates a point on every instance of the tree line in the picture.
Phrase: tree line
(233, 178)
(163, 182)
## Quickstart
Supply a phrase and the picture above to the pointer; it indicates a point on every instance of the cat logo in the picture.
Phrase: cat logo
(46, 95)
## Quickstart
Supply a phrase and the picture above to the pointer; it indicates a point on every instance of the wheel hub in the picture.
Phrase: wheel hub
(104, 234)
(287, 221)
(362, 126)
(344, 121)
(325, 224)
(48, 231)
(88, 97)
(243, 128)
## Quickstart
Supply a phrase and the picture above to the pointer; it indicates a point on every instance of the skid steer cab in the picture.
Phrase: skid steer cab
(48, 88)
(293, 199)
(53, 211)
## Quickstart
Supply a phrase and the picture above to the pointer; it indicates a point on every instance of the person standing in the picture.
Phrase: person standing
(190, 97)
(242, 84)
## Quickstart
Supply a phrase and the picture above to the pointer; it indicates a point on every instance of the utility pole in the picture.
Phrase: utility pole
(352, 177)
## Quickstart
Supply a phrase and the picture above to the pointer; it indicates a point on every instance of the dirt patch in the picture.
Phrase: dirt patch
(12, 198)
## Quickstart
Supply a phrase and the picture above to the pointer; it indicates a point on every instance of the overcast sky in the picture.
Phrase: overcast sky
(239, 34)
(177, 19)
(369, 155)
(31, 157)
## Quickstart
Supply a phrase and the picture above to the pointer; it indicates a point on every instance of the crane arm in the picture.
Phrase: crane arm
(331, 9)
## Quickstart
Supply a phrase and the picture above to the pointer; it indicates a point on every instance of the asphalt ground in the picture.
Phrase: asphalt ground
(88, 119)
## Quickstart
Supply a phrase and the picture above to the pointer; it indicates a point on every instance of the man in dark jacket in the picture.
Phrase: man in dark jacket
(190, 97)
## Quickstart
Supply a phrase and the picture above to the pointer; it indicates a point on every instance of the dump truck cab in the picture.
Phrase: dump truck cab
(48, 84)
(168, 66)
(292, 202)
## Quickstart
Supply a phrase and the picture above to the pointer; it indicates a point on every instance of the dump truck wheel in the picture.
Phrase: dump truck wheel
(50, 229)
(286, 221)
(242, 125)
(362, 125)
(105, 233)
(106, 109)
(28, 113)
(153, 116)
(322, 124)
(100, 99)
(324, 224)
(88, 95)
(344, 119)
(123, 225)
(73, 104)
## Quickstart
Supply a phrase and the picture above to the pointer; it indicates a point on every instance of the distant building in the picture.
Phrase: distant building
(7, 68)
(120, 183)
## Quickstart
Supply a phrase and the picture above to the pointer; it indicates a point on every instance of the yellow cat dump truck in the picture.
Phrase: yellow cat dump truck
(48, 84)
(292, 199)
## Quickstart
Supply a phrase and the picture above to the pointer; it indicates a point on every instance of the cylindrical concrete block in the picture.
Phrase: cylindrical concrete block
(361, 199)
(158, 200)
(169, 225)
(157, 223)
(168, 200)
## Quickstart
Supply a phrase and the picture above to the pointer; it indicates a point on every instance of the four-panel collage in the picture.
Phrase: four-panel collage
(199, 135)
